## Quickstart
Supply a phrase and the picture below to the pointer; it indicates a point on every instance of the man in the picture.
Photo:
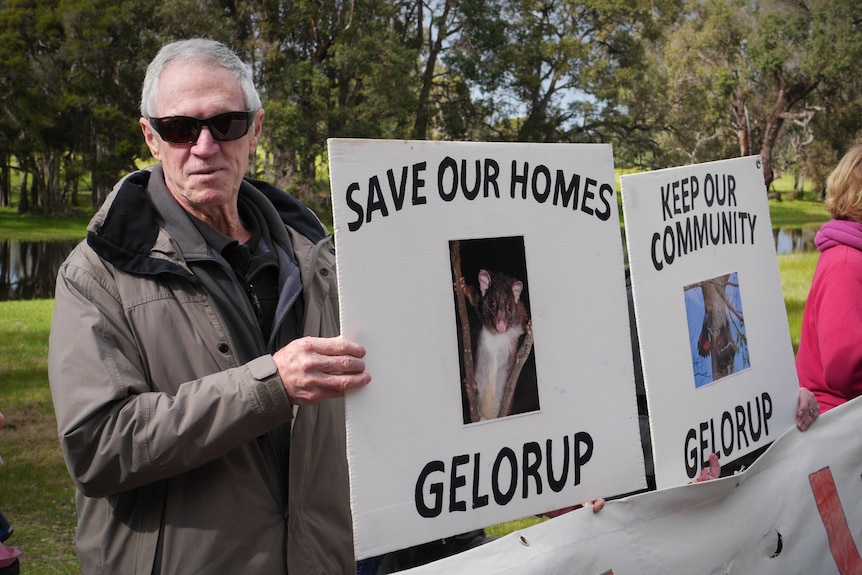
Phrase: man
(194, 367)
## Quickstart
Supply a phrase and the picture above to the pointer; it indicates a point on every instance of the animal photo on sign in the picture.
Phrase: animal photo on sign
(495, 334)
(716, 328)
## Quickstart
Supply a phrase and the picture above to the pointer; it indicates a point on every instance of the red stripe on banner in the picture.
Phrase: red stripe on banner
(840, 539)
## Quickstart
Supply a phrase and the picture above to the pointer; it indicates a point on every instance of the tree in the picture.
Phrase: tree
(553, 70)
(666, 82)
(803, 49)
(329, 69)
(103, 52)
(72, 71)
(47, 106)
(14, 68)
(757, 68)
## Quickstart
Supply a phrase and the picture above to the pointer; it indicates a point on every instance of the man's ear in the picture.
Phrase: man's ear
(256, 131)
(153, 142)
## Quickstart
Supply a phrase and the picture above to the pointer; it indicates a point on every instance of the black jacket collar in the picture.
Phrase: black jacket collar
(130, 228)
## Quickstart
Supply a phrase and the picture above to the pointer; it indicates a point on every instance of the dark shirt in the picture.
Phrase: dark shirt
(255, 265)
(256, 268)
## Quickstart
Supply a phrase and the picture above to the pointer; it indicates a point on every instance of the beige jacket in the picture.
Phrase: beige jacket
(165, 435)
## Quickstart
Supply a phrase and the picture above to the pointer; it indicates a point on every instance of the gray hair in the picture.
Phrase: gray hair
(197, 50)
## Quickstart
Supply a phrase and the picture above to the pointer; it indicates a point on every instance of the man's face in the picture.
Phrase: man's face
(205, 176)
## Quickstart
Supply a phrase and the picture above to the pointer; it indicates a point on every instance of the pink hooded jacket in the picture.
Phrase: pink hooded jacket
(829, 359)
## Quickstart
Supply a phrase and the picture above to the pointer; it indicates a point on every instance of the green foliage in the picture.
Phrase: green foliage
(771, 77)
(72, 96)
(667, 83)
(552, 72)
(512, 526)
(330, 70)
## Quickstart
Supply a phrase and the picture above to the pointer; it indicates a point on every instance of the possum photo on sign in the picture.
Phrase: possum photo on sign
(498, 370)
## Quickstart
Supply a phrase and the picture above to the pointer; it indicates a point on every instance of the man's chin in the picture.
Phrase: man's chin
(215, 185)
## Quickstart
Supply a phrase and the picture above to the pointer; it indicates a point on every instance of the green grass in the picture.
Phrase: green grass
(793, 214)
(36, 227)
(37, 493)
(797, 270)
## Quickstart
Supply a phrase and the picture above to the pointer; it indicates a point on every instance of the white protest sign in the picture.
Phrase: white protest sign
(534, 231)
(795, 510)
(715, 345)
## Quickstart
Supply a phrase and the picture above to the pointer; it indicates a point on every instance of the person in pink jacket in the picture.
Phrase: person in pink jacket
(829, 359)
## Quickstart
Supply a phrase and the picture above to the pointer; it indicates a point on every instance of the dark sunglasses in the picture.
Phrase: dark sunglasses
(185, 129)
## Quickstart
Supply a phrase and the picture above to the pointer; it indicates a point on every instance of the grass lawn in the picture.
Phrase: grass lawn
(797, 271)
(34, 227)
(37, 494)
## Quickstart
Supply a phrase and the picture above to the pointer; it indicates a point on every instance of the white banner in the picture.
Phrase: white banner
(797, 510)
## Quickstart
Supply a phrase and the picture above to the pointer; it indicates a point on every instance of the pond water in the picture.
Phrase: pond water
(28, 270)
(794, 241)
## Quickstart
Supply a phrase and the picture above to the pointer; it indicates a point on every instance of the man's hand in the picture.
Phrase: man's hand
(807, 410)
(313, 369)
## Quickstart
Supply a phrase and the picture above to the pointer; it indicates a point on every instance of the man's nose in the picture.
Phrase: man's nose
(205, 141)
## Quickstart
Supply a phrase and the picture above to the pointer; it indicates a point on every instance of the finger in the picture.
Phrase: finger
(337, 346)
(806, 419)
(703, 475)
(808, 410)
(334, 385)
(342, 364)
(714, 466)
(310, 377)
(317, 356)
(353, 381)
(326, 388)
(710, 471)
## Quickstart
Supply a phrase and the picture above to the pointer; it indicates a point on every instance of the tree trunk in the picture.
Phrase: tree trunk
(470, 387)
(23, 203)
(743, 129)
(788, 96)
(5, 183)
(770, 135)
(716, 308)
(420, 124)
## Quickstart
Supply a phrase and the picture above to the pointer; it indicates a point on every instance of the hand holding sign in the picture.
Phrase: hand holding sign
(313, 369)
(808, 410)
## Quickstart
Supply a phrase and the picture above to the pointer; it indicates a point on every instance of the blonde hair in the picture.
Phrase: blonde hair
(844, 187)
